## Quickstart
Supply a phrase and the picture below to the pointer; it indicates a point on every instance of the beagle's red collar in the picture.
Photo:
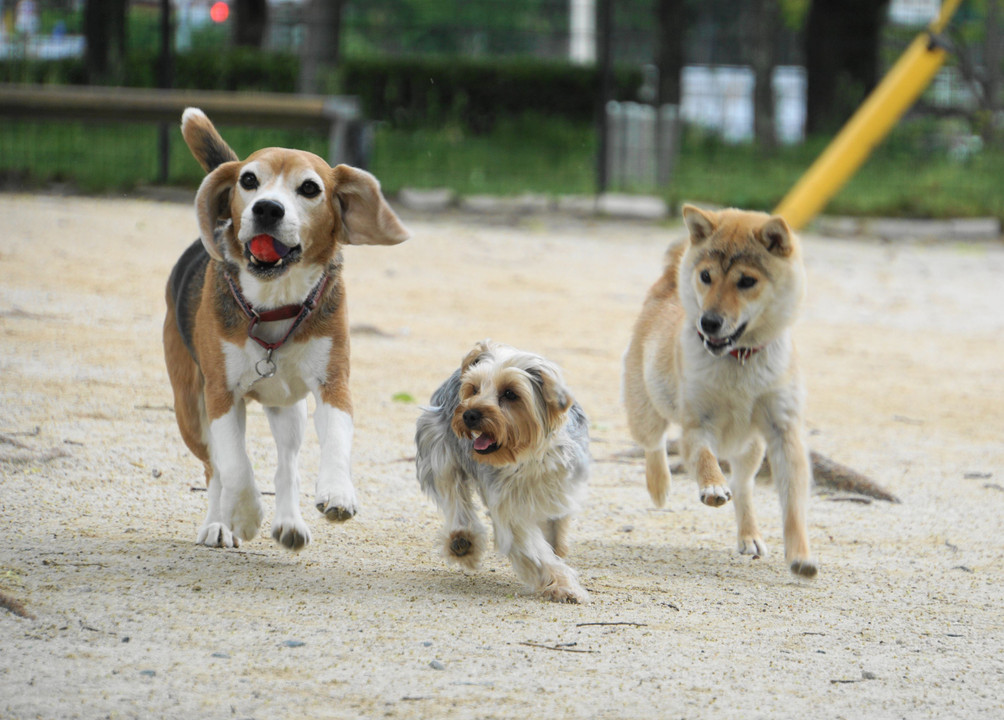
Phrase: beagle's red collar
(299, 312)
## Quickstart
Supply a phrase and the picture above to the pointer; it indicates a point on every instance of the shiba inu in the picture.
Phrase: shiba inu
(712, 351)
(256, 311)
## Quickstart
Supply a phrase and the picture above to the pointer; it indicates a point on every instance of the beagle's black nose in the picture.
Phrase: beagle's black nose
(268, 212)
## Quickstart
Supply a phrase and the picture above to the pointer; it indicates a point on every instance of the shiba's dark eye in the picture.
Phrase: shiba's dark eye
(705, 277)
(309, 189)
(746, 282)
(509, 395)
(249, 181)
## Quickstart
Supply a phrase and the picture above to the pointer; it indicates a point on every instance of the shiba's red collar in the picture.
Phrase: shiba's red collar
(742, 354)
(300, 312)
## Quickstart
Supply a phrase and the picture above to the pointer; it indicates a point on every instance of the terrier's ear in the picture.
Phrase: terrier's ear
(368, 218)
(701, 224)
(556, 396)
(212, 207)
(775, 235)
(480, 351)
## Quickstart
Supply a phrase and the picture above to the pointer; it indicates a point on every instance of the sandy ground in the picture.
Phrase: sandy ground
(125, 617)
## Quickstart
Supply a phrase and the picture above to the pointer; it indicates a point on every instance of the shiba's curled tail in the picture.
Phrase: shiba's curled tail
(204, 141)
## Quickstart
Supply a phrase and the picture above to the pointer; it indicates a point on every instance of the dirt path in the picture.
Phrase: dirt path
(130, 619)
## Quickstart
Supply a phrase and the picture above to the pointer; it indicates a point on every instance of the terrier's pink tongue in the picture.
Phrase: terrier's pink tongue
(483, 442)
(267, 249)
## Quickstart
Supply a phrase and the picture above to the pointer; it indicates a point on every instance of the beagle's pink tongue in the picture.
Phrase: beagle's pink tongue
(483, 442)
(267, 249)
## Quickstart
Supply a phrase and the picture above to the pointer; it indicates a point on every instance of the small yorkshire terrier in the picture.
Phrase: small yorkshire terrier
(506, 424)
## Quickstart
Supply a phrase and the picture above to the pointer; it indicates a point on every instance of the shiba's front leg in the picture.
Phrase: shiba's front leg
(703, 465)
(792, 472)
(744, 470)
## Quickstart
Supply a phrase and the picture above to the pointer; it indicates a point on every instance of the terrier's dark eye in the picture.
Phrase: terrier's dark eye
(705, 277)
(746, 282)
(249, 181)
(509, 396)
(309, 189)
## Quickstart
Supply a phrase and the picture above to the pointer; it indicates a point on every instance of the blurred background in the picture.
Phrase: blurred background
(716, 101)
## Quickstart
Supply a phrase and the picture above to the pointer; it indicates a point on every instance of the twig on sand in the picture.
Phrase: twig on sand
(560, 647)
(590, 624)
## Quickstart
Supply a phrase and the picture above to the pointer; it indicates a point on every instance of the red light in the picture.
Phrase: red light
(219, 12)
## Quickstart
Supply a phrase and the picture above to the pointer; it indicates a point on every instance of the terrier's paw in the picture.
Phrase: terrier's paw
(565, 592)
(291, 534)
(805, 567)
(216, 534)
(464, 547)
(753, 545)
(715, 495)
(337, 507)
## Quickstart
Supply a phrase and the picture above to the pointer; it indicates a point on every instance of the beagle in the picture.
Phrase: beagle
(256, 311)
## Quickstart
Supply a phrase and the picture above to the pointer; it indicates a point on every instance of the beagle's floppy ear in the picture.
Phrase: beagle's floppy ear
(483, 348)
(212, 207)
(367, 217)
(701, 224)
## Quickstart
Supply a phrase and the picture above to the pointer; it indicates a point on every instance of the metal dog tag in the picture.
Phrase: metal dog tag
(269, 366)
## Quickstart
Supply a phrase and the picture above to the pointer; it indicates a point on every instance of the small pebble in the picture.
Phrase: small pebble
(222, 655)
(293, 643)
(427, 643)
(436, 665)
(148, 673)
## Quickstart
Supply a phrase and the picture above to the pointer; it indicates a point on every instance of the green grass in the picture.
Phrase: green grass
(909, 175)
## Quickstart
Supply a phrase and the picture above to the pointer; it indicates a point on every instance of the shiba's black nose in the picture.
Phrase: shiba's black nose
(472, 418)
(268, 212)
(711, 323)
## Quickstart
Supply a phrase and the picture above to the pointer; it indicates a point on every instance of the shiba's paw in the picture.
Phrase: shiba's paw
(753, 545)
(805, 567)
(715, 495)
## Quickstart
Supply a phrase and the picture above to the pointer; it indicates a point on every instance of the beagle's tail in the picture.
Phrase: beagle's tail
(204, 141)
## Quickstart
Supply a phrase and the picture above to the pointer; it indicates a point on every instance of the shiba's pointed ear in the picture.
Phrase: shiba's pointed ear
(556, 396)
(775, 235)
(368, 218)
(212, 207)
(480, 350)
(699, 223)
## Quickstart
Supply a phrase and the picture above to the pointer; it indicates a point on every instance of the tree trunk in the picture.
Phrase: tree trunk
(993, 56)
(765, 23)
(842, 58)
(250, 21)
(105, 34)
(320, 49)
(671, 25)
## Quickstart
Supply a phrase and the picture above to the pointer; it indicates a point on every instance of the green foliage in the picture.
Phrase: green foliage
(416, 92)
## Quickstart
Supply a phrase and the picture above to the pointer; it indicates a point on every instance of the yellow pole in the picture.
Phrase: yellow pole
(898, 90)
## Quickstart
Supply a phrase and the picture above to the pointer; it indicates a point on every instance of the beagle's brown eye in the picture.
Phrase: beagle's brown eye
(249, 181)
(309, 189)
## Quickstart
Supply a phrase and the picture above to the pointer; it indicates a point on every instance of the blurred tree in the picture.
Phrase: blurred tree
(765, 23)
(321, 43)
(105, 37)
(841, 58)
(981, 60)
(250, 20)
(671, 24)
